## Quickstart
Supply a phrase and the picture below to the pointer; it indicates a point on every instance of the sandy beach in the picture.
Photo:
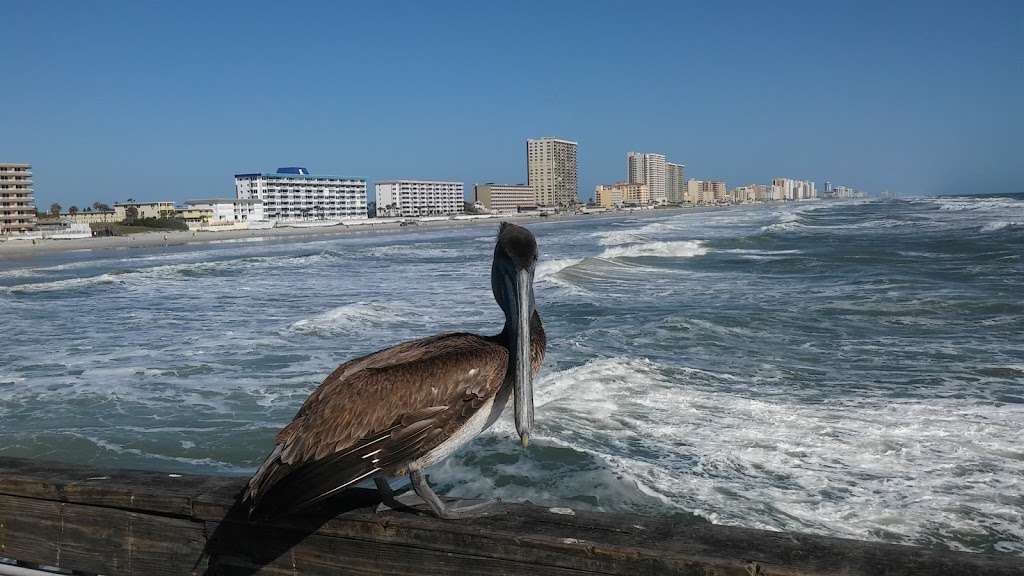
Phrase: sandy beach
(27, 249)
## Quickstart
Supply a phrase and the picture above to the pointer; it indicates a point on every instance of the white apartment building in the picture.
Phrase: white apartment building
(17, 204)
(675, 184)
(232, 210)
(551, 169)
(648, 168)
(293, 194)
(411, 198)
(795, 189)
(505, 198)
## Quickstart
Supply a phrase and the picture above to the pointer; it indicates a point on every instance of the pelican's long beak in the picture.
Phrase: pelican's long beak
(522, 365)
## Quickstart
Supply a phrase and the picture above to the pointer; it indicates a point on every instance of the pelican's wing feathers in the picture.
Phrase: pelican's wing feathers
(374, 414)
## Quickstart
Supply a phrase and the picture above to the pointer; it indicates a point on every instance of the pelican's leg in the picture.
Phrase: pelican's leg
(390, 498)
(448, 512)
(387, 495)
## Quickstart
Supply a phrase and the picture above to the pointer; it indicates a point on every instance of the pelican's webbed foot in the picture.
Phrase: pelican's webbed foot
(452, 511)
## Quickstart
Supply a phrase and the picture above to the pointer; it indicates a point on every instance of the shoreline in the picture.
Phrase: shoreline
(24, 249)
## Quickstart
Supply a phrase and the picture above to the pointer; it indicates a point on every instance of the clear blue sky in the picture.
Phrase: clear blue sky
(110, 100)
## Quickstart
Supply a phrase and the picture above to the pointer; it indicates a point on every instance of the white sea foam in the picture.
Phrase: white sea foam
(667, 249)
(855, 467)
(962, 203)
(999, 225)
(414, 251)
(193, 462)
(66, 284)
(353, 317)
(764, 255)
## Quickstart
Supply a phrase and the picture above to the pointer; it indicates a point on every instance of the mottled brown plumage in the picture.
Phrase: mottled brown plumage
(379, 415)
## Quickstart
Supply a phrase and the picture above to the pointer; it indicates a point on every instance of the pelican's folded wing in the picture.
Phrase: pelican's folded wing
(375, 414)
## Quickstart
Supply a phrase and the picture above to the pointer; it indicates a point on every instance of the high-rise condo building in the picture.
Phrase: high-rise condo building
(646, 168)
(622, 194)
(411, 198)
(17, 205)
(293, 193)
(795, 189)
(675, 185)
(505, 198)
(551, 168)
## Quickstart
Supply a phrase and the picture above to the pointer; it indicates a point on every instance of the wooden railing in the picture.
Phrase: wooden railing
(121, 522)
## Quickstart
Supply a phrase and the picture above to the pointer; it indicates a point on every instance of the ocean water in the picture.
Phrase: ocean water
(850, 368)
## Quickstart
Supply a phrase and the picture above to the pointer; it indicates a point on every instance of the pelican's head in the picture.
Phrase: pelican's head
(515, 258)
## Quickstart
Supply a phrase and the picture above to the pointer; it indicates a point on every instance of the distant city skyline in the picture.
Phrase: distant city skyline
(118, 99)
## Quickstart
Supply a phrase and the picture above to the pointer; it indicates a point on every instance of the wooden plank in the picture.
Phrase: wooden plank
(648, 547)
(30, 530)
(122, 543)
(521, 534)
(247, 552)
(161, 492)
(96, 539)
(128, 522)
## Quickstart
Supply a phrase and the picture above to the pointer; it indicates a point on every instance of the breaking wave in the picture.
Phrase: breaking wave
(657, 249)
(548, 268)
(182, 271)
(641, 234)
(414, 251)
(358, 316)
(1000, 225)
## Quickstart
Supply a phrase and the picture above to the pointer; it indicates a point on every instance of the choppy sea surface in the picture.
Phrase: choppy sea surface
(849, 368)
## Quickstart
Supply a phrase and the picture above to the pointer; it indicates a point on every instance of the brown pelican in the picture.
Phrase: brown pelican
(401, 409)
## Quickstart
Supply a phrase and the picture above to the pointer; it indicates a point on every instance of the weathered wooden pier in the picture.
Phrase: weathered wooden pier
(121, 522)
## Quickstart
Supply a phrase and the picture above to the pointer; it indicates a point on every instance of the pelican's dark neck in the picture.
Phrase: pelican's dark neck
(538, 340)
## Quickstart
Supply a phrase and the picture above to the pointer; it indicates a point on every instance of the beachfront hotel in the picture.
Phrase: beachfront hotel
(622, 194)
(648, 168)
(17, 205)
(551, 170)
(412, 198)
(505, 198)
(293, 194)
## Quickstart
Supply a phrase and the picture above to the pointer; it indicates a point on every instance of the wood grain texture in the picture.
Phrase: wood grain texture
(121, 522)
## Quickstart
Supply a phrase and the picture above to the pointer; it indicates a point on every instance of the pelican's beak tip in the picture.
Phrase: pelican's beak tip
(525, 439)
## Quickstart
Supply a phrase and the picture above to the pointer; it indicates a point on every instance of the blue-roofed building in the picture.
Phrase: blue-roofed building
(293, 194)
